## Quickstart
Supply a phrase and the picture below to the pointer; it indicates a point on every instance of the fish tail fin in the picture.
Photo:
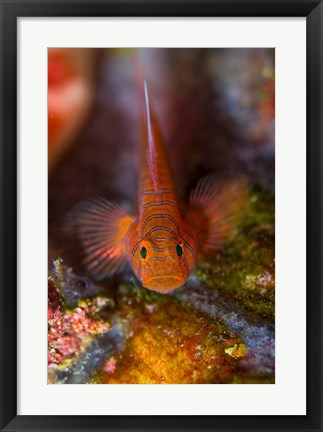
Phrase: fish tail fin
(216, 206)
(101, 227)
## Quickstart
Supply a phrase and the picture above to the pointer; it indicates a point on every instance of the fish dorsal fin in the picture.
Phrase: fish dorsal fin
(151, 149)
(156, 176)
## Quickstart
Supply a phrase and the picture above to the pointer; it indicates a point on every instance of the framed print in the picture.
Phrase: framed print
(161, 215)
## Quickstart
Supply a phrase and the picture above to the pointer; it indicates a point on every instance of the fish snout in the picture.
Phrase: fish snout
(163, 268)
(163, 283)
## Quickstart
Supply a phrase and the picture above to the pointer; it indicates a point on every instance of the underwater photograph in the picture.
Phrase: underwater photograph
(161, 216)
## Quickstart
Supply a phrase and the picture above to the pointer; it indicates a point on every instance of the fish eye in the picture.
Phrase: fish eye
(143, 252)
(179, 250)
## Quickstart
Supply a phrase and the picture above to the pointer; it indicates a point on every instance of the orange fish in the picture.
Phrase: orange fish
(163, 241)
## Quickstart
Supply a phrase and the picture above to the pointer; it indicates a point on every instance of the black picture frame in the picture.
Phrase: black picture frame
(10, 11)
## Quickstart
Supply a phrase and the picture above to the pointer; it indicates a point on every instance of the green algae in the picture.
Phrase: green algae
(236, 351)
(244, 271)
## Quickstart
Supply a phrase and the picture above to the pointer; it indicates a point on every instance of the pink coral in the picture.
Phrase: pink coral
(110, 365)
(69, 331)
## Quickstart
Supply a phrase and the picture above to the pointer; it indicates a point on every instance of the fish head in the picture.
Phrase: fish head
(164, 263)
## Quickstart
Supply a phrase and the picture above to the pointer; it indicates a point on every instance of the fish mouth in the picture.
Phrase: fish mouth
(163, 284)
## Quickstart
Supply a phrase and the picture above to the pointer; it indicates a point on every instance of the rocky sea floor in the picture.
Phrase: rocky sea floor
(216, 110)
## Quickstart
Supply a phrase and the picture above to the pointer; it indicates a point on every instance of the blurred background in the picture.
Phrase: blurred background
(215, 108)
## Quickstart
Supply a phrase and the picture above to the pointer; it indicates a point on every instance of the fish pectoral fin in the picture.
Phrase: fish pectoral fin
(101, 227)
(216, 206)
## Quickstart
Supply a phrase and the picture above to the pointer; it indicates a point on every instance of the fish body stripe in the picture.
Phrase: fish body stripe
(160, 228)
(133, 237)
(190, 248)
(155, 228)
(159, 192)
(159, 203)
(189, 233)
(186, 265)
(158, 249)
(135, 248)
(162, 258)
(160, 216)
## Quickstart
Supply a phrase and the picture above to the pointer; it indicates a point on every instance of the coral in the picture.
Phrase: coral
(78, 339)
(219, 328)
